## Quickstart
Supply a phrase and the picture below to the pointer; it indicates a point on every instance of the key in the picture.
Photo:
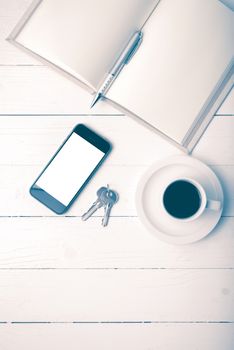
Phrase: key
(110, 197)
(96, 205)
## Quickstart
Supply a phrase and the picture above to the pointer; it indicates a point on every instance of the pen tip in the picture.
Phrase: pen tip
(96, 98)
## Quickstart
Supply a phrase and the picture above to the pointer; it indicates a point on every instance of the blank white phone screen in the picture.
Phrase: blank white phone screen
(70, 168)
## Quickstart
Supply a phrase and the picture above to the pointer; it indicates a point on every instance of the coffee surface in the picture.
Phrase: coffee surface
(181, 199)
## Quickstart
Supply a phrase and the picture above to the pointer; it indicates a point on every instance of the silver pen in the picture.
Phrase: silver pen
(123, 59)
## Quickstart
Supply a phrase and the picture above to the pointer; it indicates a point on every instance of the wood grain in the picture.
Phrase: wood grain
(71, 243)
(117, 336)
(216, 145)
(117, 295)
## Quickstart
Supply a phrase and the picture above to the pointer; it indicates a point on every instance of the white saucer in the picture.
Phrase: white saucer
(149, 194)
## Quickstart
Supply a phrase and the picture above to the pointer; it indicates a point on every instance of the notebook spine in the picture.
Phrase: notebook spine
(211, 106)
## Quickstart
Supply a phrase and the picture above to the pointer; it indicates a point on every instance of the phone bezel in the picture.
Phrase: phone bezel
(93, 138)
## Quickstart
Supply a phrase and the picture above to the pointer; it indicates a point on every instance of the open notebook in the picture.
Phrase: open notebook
(174, 83)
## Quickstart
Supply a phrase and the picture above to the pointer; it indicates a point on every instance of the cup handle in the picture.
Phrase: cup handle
(213, 205)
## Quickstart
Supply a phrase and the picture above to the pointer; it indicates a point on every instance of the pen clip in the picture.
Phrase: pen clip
(134, 50)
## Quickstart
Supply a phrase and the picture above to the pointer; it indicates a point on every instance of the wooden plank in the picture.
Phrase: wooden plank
(117, 295)
(31, 140)
(41, 90)
(70, 243)
(216, 145)
(117, 336)
(16, 180)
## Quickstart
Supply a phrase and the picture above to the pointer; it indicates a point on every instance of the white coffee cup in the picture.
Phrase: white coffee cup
(204, 203)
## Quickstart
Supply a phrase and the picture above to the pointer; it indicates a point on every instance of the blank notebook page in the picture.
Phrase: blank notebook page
(84, 38)
(187, 46)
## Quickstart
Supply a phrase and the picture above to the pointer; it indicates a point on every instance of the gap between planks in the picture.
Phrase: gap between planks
(116, 322)
(112, 268)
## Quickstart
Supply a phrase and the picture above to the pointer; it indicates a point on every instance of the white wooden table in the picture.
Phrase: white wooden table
(68, 284)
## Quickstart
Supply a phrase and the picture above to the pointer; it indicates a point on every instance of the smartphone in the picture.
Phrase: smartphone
(70, 169)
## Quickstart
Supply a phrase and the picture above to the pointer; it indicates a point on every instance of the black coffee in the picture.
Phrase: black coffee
(181, 199)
